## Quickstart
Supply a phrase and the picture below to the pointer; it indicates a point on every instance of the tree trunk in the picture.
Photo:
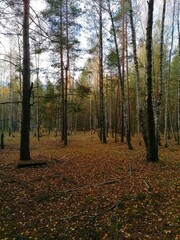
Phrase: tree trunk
(62, 71)
(25, 127)
(120, 80)
(2, 140)
(10, 127)
(66, 77)
(159, 101)
(123, 70)
(102, 113)
(152, 150)
(179, 75)
(168, 80)
(127, 84)
(140, 112)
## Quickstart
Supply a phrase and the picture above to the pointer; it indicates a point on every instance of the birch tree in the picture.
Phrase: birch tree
(161, 52)
(140, 112)
(168, 79)
(178, 23)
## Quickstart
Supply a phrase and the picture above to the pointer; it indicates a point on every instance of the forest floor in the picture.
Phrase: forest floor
(89, 190)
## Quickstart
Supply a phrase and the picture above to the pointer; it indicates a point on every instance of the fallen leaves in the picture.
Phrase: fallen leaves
(89, 191)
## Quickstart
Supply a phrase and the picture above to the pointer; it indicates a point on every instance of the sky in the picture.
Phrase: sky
(39, 5)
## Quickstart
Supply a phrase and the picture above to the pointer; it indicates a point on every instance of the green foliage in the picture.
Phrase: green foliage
(112, 59)
(74, 106)
(82, 90)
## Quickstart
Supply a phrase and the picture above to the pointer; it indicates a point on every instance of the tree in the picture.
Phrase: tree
(25, 125)
(121, 82)
(102, 113)
(159, 100)
(179, 75)
(168, 79)
(140, 112)
(63, 31)
(152, 150)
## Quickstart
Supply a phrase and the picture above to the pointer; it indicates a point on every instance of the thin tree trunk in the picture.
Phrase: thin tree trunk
(66, 76)
(171, 125)
(120, 79)
(38, 105)
(65, 107)
(152, 150)
(127, 84)
(25, 127)
(179, 74)
(159, 101)
(123, 70)
(111, 107)
(102, 113)
(116, 114)
(10, 117)
(140, 112)
(62, 72)
(20, 81)
(168, 81)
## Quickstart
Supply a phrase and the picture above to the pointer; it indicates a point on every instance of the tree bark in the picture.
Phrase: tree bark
(152, 150)
(25, 127)
(120, 80)
(66, 77)
(127, 83)
(159, 101)
(102, 112)
(140, 112)
(179, 74)
(168, 80)
(62, 71)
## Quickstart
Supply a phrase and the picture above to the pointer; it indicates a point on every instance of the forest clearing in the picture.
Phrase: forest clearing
(89, 190)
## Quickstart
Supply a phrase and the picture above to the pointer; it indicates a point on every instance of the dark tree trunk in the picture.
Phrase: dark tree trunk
(2, 140)
(123, 70)
(25, 127)
(62, 72)
(152, 150)
(65, 109)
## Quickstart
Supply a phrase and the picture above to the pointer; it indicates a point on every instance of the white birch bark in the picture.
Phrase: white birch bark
(179, 74)
(159, 100)
(140, 112)
(168, 81)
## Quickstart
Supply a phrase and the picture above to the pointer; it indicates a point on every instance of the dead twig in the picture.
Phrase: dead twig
(92, 186)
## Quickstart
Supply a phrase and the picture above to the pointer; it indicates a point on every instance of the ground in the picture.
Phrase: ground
(89, 190)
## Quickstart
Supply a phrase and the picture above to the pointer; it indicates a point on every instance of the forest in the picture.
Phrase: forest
(89, 119)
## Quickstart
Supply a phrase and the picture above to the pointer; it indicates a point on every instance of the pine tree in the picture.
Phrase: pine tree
(25, 126)
(152, 150)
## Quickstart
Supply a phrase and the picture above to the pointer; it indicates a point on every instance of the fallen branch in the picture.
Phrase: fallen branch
(25, 164)
(148, 187)
(93, 186)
